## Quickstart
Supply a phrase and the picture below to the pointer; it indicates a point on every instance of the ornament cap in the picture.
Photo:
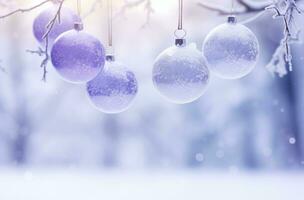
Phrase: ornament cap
(180, 42)
(110, 54)
(78, 26)
(110, 58)
(232, 20)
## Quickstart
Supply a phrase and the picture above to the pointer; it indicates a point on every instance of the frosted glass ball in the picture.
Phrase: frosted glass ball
(77, 56)
(231, 50)
(180, 74)
(114, 89)
(67, 19)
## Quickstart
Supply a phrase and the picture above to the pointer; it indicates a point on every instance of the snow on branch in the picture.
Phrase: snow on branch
(283, 56)
(285, 10)
(41, 52)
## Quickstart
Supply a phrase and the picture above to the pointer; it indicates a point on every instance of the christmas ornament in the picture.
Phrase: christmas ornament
(115, 88)
(231, 50)
(67, 19)
(77, 56)
(180, 73)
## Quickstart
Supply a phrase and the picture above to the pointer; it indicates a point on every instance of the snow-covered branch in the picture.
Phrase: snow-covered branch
(45, 52)
(49, 27)
(283, 56)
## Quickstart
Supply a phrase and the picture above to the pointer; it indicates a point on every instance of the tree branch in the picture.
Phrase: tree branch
(2, 69)
(41, 52)
(128, 5)
(22, 10)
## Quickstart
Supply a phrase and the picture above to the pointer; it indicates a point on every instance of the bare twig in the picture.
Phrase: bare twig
(92, 8)
(45, 52)
(129, 5)
(49, 27)
(244, 7)
(22, 10)
(283, 54)
(41, 52)
(2, 69)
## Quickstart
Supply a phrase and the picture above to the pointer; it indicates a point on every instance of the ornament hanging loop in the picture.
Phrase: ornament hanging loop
(232, 19)
(78, 25)
(110, 50)
(180, 33)
(180, 37)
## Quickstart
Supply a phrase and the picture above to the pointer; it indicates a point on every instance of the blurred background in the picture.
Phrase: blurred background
(243, 137)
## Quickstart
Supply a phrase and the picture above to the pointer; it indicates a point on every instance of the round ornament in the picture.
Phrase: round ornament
(231, 50)
(77, 56)
(180, 73)
(114, 89)
(67, 19)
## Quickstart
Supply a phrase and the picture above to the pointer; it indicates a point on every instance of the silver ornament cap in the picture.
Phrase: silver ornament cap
(232, 20)
(180, 42)
(78, 26)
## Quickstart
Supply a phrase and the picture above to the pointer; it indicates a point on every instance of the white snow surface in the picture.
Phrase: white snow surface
(110, 185)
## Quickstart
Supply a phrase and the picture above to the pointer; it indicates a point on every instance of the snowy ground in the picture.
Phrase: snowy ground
(58, 185)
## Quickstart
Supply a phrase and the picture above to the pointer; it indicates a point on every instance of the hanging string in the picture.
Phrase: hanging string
(110, 23)
(180, 15)
(180, 32)
(79, 7)
(232, 7)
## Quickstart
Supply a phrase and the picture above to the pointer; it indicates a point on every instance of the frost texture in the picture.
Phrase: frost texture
(77, 56)
(231, 51)
(67, 20)
(114, 89)
(180, 74)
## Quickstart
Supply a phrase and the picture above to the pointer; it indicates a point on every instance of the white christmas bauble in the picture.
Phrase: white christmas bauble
(231, 50)
(114, 89)
(180, 74)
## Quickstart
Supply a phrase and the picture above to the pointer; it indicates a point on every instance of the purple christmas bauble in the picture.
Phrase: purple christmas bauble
(114, 89)
(67, 19)
(77, 56)
(180, 74)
